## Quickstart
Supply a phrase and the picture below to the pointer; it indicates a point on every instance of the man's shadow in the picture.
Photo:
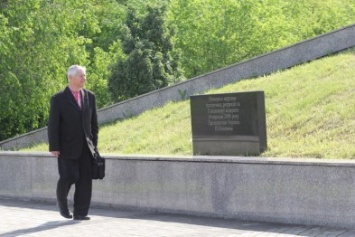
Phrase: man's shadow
(45, 226)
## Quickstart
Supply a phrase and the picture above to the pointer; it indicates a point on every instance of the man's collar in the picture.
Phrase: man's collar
(72, 90)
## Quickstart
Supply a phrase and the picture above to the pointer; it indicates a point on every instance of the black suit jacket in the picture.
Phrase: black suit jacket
(71, 127)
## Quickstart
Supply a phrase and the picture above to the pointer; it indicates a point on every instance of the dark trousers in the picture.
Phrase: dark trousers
(76, 172)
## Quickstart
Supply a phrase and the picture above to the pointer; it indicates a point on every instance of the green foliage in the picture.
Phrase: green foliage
(213, 34)
(31, 73)
(149, 65)
(39, 40)
(103, 26)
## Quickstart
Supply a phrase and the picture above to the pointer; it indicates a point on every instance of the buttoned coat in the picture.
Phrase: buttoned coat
(71, 127)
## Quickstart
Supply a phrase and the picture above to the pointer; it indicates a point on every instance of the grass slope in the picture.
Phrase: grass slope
(310, 112)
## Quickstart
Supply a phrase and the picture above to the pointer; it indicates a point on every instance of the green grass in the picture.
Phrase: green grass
(310, 112)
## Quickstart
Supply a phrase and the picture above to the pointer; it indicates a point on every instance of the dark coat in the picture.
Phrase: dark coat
(70, 126)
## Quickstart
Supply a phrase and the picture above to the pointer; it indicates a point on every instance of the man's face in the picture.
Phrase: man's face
(78, 79)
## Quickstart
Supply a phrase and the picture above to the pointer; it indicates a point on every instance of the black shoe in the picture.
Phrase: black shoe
(66, 214)
(81, 218)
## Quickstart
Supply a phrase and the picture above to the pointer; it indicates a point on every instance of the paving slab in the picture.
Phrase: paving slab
(40, 219)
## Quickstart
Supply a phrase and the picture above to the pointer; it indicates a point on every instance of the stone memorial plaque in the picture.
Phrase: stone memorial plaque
(228, 124)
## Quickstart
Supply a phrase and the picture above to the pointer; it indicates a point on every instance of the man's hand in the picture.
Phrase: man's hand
(55, 153)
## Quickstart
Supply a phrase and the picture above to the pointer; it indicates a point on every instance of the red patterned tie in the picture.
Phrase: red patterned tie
(77, 97)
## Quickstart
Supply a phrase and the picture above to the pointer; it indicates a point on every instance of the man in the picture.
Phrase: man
(72, 137)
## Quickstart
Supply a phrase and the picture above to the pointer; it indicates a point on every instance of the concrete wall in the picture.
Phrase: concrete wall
(304, 51)
(307, 192)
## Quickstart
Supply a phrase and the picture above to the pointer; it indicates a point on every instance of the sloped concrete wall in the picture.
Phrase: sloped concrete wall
(304, 51)
(305, 192)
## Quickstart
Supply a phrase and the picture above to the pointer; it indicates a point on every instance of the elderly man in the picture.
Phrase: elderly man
(72, 136)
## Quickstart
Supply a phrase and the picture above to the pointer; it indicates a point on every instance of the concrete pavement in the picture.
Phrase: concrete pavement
(22, 218)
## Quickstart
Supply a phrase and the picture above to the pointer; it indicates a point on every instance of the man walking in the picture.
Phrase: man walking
(72, 136)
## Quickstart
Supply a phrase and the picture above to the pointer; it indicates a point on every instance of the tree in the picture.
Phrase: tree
(212, 34)
(40, 40)
(105, 46)
(148, 64)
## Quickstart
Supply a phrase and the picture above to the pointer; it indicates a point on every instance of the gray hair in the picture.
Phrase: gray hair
(74, 69)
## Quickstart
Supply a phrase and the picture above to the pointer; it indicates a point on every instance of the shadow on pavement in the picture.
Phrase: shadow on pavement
(46, 226)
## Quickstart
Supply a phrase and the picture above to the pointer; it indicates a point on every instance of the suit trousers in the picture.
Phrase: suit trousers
(78, 172)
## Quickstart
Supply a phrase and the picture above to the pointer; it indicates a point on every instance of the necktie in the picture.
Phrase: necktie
(77, 97)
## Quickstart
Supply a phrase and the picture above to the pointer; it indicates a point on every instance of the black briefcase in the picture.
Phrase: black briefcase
(98, 166)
